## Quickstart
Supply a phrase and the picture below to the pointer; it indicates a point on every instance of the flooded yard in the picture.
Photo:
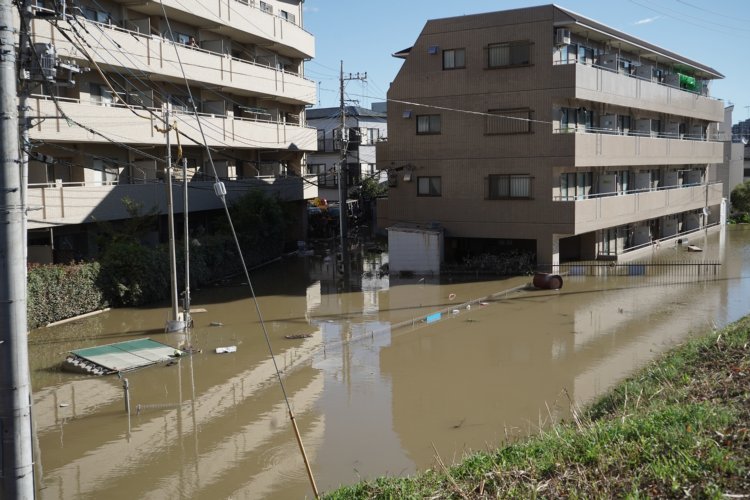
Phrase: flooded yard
(375, 389)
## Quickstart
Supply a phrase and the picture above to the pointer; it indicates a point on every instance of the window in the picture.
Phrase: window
(454, 59)
(266, 7)
(428, 124)
(321, 139)
(508, 121)
(100, 94)
(373, 135)
(502, 55)
(509, 186)
(287, 15)
(576, 118)
(429, 186)
(96, 15)
(326, 176)
(575, 185)
(623, 122)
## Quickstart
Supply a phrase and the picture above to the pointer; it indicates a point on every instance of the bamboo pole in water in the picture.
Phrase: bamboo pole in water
(304, 455)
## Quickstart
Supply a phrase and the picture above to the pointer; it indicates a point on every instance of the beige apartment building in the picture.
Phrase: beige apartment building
(97, 136)
(542, 130)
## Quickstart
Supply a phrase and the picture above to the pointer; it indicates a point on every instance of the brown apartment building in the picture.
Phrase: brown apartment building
(542, 130)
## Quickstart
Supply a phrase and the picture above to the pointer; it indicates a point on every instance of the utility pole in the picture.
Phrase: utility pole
(343, 174)
(16, 457)
(175, 322)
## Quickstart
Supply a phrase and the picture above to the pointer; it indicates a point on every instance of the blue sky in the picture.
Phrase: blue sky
(364, 34)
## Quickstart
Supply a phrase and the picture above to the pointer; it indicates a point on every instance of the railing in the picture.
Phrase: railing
(138, 34)
(585, 129)
(157, 112)
(194, 177)
(560, 62)
(659, 272)
(629, 191)
(656, 243)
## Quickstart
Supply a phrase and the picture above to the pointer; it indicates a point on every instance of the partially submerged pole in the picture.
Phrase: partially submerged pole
(126, 394)
(174, 323)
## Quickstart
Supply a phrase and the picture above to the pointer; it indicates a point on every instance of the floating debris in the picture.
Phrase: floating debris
(225, 350)
(216, 323)
(298, 336)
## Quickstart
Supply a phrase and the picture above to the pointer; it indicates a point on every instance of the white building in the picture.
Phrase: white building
(365, 129)
(97, 140)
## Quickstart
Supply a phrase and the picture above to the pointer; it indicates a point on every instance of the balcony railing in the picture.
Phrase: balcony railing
(589, 196)
(583, 129)
(155, 53)
(57, 119)
(558, 62)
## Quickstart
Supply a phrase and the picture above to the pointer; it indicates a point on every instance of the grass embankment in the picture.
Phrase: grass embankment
(679, 427)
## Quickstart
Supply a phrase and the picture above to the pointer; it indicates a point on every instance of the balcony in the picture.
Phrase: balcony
(602, 212)
(598, 84)
(120, 124)
(77, 203)
(237, 19)
(592, 149)
(111, 46)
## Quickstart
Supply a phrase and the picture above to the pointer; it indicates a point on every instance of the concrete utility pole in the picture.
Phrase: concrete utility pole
(343, 174)
(16, 459)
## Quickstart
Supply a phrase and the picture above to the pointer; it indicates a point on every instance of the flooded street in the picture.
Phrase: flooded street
(375, 390)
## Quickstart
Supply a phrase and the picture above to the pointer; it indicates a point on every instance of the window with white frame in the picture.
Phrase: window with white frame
(504, 186)
(429, 186)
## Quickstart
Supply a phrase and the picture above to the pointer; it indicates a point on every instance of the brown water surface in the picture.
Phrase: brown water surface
(375, 389)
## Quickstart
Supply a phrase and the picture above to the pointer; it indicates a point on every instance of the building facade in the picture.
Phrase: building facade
(541, 130)
(364, 129)
(230, 75)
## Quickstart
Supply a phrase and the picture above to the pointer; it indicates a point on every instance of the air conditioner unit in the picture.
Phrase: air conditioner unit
(562, 36)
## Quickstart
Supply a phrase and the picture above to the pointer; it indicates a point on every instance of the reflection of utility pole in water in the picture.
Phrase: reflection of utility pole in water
(343, 179)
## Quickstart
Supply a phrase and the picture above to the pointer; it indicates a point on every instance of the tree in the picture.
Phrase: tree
(261, 226)
(740, 197)
(372, 189)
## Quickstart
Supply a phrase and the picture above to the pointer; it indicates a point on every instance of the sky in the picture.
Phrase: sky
(364, 33)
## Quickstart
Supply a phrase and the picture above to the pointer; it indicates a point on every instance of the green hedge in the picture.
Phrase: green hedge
(58, 292)
(131, 274)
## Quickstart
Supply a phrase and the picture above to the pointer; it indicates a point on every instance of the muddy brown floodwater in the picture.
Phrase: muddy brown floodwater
(375, 390)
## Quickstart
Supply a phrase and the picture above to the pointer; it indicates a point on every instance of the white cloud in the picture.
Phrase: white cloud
(647, 20)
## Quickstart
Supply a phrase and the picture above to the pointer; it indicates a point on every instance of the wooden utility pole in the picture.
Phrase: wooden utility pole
(16, 456)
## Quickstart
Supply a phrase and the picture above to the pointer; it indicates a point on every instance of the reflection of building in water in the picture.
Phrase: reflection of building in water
(373, 282)
(324, 297)
(473, 376)
(358, 400)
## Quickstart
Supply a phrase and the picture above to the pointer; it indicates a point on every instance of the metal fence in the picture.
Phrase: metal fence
(672, 271)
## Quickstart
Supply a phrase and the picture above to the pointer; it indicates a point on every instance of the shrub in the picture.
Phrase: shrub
(57, 292)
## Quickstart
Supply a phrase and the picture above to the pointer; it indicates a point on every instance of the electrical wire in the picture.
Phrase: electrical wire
(252, 289)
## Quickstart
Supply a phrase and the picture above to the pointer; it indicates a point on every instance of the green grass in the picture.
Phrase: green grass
(679, 427)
